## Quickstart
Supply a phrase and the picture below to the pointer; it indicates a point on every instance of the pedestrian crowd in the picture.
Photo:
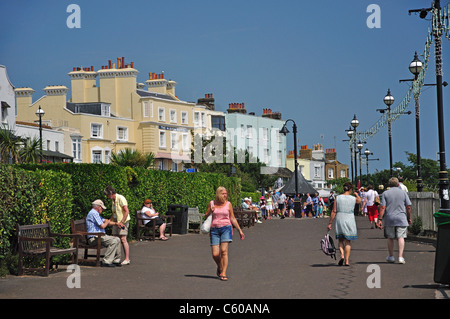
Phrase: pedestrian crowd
(392, 213)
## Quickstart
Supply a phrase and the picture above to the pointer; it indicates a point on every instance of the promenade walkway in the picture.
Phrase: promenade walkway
(279, 259)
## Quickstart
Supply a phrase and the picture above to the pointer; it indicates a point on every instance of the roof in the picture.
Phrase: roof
(303, 185)
(144, 93)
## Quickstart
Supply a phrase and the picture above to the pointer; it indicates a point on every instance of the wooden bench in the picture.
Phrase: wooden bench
(168, 219)
(37, 240)
(79, 227)
(195, 219)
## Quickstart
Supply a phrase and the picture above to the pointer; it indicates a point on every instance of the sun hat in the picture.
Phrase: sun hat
(99, 202)
(262, 197)
(147, 201)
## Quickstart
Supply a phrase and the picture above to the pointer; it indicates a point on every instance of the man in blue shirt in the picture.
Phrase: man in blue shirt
(97, 224)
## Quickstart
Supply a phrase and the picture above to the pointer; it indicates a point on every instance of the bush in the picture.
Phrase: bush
(416, 226)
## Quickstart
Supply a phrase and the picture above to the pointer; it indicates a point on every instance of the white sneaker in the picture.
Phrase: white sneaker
(390, 259)
(401, 260)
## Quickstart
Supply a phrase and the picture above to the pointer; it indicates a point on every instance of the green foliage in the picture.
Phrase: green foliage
(416, 226)
(133, 158)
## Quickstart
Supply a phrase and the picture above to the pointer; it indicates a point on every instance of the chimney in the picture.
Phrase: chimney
(123, 62)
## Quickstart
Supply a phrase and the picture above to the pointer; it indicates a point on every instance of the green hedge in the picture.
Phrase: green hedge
(34, 193)
(136, 184)
(33, 197)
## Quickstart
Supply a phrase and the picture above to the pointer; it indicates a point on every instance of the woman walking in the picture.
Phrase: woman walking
(345, 225)
(221, 233)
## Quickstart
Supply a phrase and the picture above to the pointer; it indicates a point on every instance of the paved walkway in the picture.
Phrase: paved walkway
(279, 259)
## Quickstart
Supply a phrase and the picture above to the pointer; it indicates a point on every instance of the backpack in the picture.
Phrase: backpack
(327, 246)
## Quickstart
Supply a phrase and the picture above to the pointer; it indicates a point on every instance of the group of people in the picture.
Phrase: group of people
(278, 204)
(120, 222)
(394, 207)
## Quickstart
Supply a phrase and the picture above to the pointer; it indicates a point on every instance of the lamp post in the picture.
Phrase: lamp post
(354, 123)
(284, 131)
(415, 67)
(360, 146)
(350, 134)
(442, 266)
(40, 113)
(367, 153)
(389, 100)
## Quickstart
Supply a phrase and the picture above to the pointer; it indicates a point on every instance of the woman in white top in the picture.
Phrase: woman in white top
(149, 213)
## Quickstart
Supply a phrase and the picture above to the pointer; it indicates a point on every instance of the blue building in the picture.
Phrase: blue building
(259, 135)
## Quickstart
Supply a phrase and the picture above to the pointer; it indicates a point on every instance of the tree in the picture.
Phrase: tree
(30, 151)
(9, 146)
(132, 158)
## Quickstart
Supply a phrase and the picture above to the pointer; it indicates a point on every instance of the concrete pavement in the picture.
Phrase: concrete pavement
(278, 260)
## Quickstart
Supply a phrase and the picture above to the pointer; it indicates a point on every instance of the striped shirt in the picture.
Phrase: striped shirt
(93, 222)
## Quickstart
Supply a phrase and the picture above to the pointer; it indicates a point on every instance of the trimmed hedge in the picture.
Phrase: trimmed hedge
(35, 193)
(33, 197)
(137, 184)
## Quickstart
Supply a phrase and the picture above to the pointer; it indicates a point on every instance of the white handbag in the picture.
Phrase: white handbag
(206, 226)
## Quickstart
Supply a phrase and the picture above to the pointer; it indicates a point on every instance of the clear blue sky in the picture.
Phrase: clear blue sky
(317, 62)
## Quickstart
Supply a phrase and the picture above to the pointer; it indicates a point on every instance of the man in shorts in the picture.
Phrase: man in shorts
(396, 209)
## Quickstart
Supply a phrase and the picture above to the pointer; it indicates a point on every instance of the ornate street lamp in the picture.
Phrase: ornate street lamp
(354, 123)
(40, 113)
(285, 131)
(350, 133)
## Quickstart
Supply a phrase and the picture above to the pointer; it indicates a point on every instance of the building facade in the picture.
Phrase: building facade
(109, 111)
(259, 135)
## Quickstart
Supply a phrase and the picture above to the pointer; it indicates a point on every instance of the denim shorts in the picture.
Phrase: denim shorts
(219, 235)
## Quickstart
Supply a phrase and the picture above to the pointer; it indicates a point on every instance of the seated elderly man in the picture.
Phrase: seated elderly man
(97, 224)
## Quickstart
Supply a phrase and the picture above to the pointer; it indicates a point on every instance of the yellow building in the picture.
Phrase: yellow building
(110, 111)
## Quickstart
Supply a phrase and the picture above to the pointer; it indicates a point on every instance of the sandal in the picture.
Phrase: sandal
(164, 238)
(341, 262)
(223, 278)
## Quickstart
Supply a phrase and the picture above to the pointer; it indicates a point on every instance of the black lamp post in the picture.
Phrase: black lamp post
(354, 123)
(40, 113)
(415, 67)
(350, 134)
(284, 131)
(389, 100)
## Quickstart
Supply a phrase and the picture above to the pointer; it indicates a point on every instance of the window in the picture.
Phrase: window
(105, 110)
(280, 158)
(316, 171)
(56, 146)
(173, 116)
(107, 156)
(266, 156)
(196, 119)
(185, 141)
(265, 133)
(184, 118)
(174, 167)
(161, 114)
(330, 172)
(96, 157)
(218, 122)
(249, 131)
(174, 140)
(122, 133)
(76, 148)
(342, 173)
(242, 130)
(145, 109)
(162, 139)
(48, 145)
(96, 130)
(203, 119)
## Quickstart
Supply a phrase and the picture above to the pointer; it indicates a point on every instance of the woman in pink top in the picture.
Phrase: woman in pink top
(221, 233)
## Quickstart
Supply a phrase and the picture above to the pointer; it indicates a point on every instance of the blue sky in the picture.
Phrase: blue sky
(317, 62)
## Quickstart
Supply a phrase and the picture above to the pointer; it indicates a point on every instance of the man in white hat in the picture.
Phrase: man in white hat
(97, 224)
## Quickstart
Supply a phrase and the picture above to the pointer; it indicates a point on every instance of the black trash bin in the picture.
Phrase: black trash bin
(298, 208)
(180, 219)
